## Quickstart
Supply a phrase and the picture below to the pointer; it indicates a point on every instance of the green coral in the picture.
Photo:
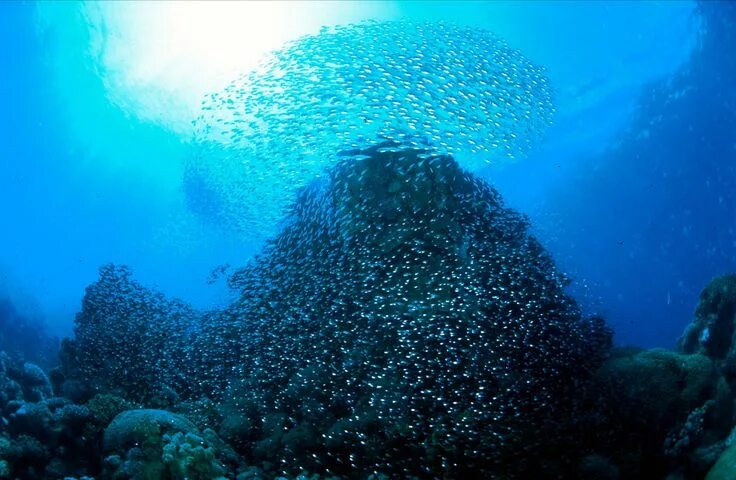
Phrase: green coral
(151, 444)
(188, 456)
(144, 426)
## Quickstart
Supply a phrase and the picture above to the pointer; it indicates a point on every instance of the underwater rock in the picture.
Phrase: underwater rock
(596, 467)
(655, 385)
(136, 427)
(713, 331)
(658, 412)
(143, 444)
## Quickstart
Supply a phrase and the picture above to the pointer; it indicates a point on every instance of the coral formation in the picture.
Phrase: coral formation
(401, 290)
(42, 436)
(660, 413)
(404, 323)
(156, 444)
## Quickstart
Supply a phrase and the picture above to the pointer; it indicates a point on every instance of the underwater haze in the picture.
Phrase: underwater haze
(369, 239)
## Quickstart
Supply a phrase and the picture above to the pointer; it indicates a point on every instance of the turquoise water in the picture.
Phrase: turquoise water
(104, 159)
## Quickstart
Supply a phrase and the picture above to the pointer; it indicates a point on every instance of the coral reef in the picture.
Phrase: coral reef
(404, 324)
(42, 436)
(652, 409)
(402, 290)
(665, 414)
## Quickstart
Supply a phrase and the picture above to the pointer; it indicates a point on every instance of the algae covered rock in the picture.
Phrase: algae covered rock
(138, 427)
(155, 444)
(713, 330)
(654, 385)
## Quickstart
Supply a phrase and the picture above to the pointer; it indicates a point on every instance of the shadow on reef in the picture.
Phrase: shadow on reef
(404, 324)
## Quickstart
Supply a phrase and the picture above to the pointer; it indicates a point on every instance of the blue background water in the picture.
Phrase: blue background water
(632, 190)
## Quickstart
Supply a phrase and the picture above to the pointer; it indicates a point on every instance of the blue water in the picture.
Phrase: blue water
(631, 188)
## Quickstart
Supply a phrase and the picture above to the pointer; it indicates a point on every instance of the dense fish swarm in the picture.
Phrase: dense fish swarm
(458, 89)
(404, 322)
(128, 339)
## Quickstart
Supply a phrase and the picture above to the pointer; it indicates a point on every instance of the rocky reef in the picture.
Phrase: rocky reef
(667, 414)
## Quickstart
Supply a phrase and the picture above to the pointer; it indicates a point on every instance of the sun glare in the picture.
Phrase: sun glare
(158, 59)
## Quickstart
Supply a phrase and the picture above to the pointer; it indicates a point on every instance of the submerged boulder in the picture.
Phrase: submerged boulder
(654, 386)
(725, 467)
(713, 331)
